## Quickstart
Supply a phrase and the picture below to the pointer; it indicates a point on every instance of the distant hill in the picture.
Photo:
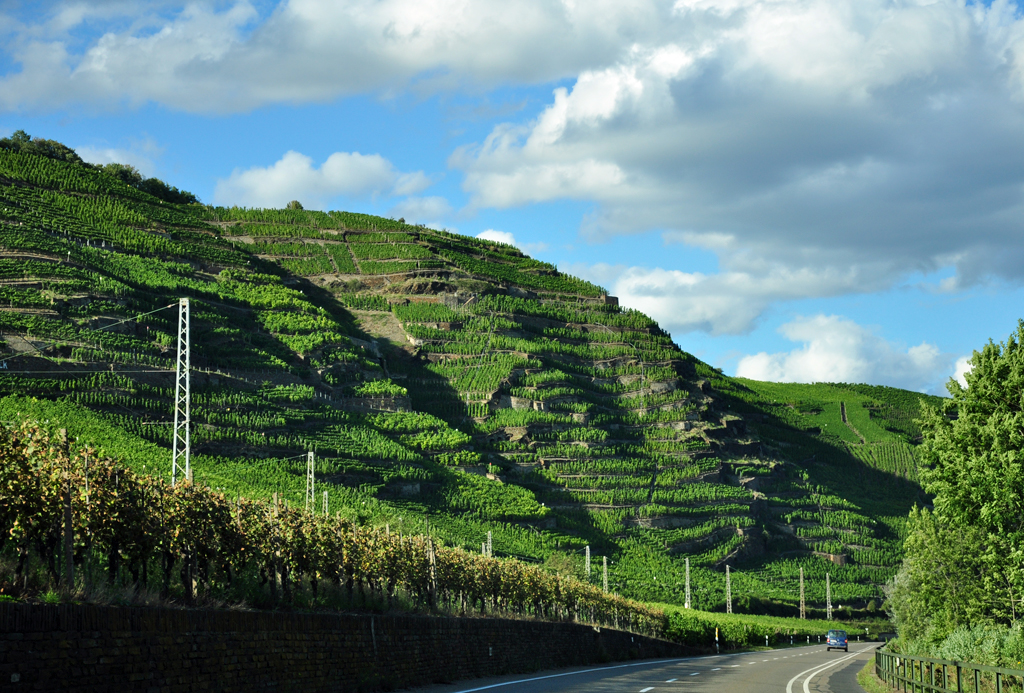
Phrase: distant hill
(440, 379)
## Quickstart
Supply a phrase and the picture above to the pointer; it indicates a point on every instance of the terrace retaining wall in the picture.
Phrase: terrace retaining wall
(80, 648)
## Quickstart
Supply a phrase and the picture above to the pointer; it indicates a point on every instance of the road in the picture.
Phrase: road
(791, 670)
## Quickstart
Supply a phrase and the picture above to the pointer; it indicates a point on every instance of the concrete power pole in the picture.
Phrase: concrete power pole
(686, 604)
(605, 580)
(828, 596)
(728, 591)
(803, 612)
(180, 448)
(588, 560)
(310, 483)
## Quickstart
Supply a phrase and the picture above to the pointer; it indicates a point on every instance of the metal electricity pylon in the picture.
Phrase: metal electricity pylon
(180, 448)
(310, 483)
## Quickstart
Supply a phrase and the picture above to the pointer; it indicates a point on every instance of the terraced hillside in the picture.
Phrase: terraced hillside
(443, 380)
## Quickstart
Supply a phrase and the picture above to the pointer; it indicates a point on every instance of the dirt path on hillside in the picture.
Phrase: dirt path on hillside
(383, 326)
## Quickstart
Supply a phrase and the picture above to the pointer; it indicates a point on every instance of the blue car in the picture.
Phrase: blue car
(837, 640)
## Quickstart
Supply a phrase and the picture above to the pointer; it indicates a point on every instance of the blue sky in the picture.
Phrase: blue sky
(796, 189)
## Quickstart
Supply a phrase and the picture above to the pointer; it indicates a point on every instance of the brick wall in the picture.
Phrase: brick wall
(91, 649)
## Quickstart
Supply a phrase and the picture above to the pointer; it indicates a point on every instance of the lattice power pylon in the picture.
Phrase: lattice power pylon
(310, 483)
(828, 595)
(686, 603)
(181, 451)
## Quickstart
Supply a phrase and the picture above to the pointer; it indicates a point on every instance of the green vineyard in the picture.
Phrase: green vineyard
(447, 386)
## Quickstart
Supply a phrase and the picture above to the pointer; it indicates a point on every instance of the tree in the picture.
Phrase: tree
(20, 141)
(294, 204)
(125, 173)
(973, 455)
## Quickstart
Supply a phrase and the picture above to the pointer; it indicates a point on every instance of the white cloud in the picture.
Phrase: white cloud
(725, 303)
(140, 153)
(230, 58)
(497, 236)
(872, 137)
(835, 349)
(108, 155)
(962, 367)
(430, 211)
(294, 177)
(509, 239)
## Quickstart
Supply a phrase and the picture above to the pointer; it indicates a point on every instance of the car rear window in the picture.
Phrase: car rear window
(837, 634)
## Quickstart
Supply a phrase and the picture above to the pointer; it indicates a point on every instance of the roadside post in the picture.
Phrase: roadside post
(716, 639)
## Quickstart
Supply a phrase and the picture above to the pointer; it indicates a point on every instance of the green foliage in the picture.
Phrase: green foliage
(944, 582)
(377, 388)
(144, 523)
(963, 563)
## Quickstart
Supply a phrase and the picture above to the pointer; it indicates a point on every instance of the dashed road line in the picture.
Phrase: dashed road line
(644, 690)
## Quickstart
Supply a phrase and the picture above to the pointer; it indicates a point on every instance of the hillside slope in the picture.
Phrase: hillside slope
(440, 379)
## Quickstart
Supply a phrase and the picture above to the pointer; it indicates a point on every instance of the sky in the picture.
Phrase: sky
(797, 190)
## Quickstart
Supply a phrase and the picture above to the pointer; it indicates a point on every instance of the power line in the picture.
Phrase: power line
(50, 342)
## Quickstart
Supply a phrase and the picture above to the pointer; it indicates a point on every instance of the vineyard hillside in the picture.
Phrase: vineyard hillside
(445, 381)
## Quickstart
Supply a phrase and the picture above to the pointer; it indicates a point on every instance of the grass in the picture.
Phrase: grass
(869, 681)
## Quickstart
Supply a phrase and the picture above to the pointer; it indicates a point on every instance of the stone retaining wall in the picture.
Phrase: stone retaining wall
(91, 649)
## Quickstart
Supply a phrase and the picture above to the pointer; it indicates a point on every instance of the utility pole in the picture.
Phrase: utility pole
(728, 591)
(605, 581)
(686, 604)
(180, 450)
(587, 550)
(490, 546)
(828, 596)
(310, 483)
(325, 503)
(803, 612)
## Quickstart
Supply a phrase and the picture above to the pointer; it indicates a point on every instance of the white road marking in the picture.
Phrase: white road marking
(813, 671)
(654, 662)
(696, 673)
(717, 669)
(644, 690)
(671, 680)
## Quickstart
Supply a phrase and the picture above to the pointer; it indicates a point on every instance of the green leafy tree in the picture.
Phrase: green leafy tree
(20, 141)
(965, 562)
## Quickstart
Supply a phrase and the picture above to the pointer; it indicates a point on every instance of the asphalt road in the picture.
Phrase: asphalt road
(791, 670)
